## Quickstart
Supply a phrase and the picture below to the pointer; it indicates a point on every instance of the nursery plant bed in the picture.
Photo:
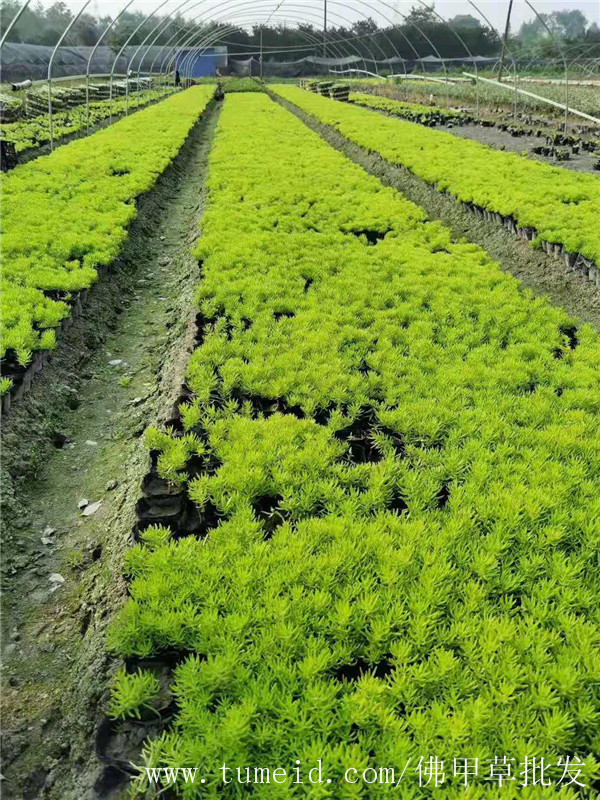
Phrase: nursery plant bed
(60, 443)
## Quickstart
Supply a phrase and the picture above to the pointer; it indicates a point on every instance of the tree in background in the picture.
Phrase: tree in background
(427, 33)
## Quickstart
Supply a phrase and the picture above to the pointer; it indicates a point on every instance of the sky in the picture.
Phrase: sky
(495, 10)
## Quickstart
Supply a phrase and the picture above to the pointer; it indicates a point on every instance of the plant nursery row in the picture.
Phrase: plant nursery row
(80, 201)
(425, 115)
(31, 133)
(562, 208)
(371, 535)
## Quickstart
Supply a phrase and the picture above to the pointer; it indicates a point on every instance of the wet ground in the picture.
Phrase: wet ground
(523, 145)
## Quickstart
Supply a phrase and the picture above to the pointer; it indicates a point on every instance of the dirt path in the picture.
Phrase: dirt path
(78, 435)
(542, 274)
(502, 140)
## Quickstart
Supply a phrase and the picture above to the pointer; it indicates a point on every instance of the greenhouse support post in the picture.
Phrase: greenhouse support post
(89, 62)
(537, 97)
(58, 44)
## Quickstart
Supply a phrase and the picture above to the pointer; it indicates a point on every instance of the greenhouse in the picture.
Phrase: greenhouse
(300, 400)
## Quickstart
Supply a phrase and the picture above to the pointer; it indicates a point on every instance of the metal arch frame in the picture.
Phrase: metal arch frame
(507, 51)
(560, 50)
(399, 30)
(269, 18)
(189, 38)
(216, 34)
(335, 45)
(562, 55)
(118, 56)
(13, 22)
(408, 41)
(575, 59)
(460, 39)
(139, 47)
(162, 47)
(393, 25)
(315, 43)
(339, 41)
(160, 33)
(342, 42)
(212, 19)
(581, 55)
(212, 36)
(56, 46)
(402, 34)
(89, 61)
(209, 37)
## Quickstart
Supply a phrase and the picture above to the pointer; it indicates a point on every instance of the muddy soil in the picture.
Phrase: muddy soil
(77, 435)
(536, 271)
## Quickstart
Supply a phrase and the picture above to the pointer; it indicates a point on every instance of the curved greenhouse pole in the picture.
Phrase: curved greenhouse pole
(192, 37)
(339, 16)
(216, 34)
(13, 22)
(392, 24)
(462, 42)
(172, 19)
(118, 56)
(89, 62)
(159, 24)
(507, 51)
(212, 38)
(335, 45)
(410, 44)
(56, 46)
(560, 50)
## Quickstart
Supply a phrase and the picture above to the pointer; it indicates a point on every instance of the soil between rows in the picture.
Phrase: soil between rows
(75, 435)
(542, 274)
(56, 668)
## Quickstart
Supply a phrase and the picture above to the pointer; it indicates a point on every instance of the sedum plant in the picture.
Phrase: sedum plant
(561, 205)
(80, 201)
(30, 133)
(131, 693)
(403, 448)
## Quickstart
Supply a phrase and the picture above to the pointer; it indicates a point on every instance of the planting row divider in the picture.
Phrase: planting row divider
(573, 262)
(77, 303)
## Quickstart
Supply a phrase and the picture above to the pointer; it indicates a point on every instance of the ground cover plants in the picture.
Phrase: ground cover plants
(583, 98)
(231, 83)
(80, 200)
(561, 206)
(412, 111)
(393, 454)
(29, 133)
